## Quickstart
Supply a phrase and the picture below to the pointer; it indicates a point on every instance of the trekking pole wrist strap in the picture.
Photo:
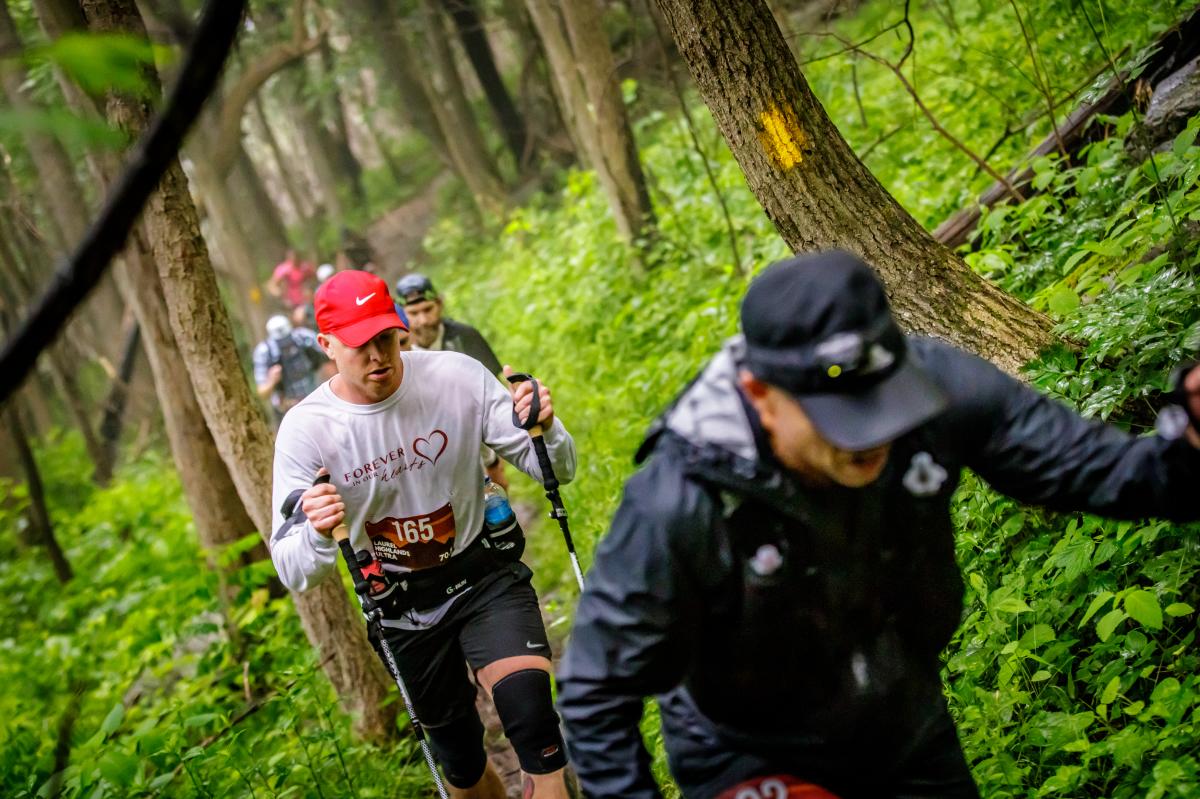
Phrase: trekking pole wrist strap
(535, 409)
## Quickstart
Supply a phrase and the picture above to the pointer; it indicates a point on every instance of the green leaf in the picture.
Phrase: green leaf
(1109, 622)
(118, 767)
(1097, 603)
(100, 62)
(1143, 606)
(1183, 142)
(1111, 690)
(1062, 301)
(112, 720)
(1013, 604)
(1036, 636)
(1179, 609)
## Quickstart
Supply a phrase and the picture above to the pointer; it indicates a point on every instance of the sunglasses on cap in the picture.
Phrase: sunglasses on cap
(415, 288)
(843, 362)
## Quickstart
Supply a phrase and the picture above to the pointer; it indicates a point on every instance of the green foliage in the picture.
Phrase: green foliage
(148, 669)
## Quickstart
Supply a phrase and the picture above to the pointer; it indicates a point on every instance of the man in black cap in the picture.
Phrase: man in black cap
(781, 573)
(432, 331)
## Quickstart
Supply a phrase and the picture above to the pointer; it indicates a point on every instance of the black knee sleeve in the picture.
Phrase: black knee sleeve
(526, 710)
(458, 747)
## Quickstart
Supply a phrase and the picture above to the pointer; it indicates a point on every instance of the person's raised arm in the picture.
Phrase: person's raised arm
(1038, 450)
(303, 553)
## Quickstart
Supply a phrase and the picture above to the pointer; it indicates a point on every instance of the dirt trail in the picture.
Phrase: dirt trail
(397, 235)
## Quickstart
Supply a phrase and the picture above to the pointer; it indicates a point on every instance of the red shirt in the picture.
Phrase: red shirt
(294, 276)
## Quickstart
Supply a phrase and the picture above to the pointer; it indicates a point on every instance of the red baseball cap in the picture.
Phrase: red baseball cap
(355, 306)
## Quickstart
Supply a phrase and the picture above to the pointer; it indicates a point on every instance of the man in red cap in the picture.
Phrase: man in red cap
(399, 434)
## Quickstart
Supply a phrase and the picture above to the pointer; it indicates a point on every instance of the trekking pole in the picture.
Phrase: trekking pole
(365, 572)
(549, 481)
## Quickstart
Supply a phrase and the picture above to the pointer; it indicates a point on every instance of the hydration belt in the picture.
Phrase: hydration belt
(429, 588)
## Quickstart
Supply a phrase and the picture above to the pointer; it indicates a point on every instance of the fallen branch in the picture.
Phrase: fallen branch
(1177, 45)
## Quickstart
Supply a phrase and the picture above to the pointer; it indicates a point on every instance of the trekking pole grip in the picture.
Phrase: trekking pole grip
(549, 479)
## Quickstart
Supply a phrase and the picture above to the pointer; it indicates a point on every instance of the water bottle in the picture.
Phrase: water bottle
(500, 523)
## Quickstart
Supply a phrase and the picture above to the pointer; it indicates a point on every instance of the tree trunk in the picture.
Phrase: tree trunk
(468, 152)
(233, 243)
(582, 65)
(203, 333)
(346, 160)
(302, 209)
(479, 52)
(378, 22)
(67, 203)
(24, 256)
(39, 516)
(318, 150)
(218, 513)
(114, 407)
(258, 212)
(820, 196)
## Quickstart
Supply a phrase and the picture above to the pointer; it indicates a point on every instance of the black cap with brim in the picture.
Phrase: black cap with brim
(874, 416)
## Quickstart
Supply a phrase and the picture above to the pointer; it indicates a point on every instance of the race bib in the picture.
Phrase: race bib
(415, 542)
(779, 786)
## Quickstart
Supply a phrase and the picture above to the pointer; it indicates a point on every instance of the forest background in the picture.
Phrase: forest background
(146, 649)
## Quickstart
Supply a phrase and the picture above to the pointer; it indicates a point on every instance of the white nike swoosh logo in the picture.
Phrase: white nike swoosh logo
(361, 300)
(532, 645)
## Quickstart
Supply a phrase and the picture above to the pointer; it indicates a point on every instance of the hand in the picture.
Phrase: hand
(496, 473)
(323, 506)
(522, 394)
(1191, 390)
(274, 375)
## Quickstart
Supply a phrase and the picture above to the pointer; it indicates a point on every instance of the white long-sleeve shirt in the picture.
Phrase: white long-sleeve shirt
(407, 467)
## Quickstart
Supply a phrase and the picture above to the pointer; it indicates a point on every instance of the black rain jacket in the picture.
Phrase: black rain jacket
(783, 616)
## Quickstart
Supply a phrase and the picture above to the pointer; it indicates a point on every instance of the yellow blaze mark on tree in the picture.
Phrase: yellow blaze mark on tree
(782, 137)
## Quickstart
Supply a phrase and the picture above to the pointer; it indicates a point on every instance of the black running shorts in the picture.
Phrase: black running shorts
(496, 619)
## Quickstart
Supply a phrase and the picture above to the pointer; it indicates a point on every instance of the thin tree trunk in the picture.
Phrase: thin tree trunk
(468, 152)
(346, 158)
(38, 513)
(283, 165)
(315, 140)
(820, 196)
(606, 105)
(202, 329)
(258, 212)
(219, 515)
(581, 64)
(469, 23)
(65, 198)
(114, 407)
(234, 243)
(24, 256)
(376, 21)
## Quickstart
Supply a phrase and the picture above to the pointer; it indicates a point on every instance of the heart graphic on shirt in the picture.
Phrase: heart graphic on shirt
(430, 455)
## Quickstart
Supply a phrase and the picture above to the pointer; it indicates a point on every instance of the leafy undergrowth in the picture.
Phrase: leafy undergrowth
(132, 665)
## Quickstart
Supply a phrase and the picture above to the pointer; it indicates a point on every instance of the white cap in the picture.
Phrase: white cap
(324, 272)
(278, 327)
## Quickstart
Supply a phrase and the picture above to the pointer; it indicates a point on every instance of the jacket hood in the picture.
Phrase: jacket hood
(709, 428)
(710, 413)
